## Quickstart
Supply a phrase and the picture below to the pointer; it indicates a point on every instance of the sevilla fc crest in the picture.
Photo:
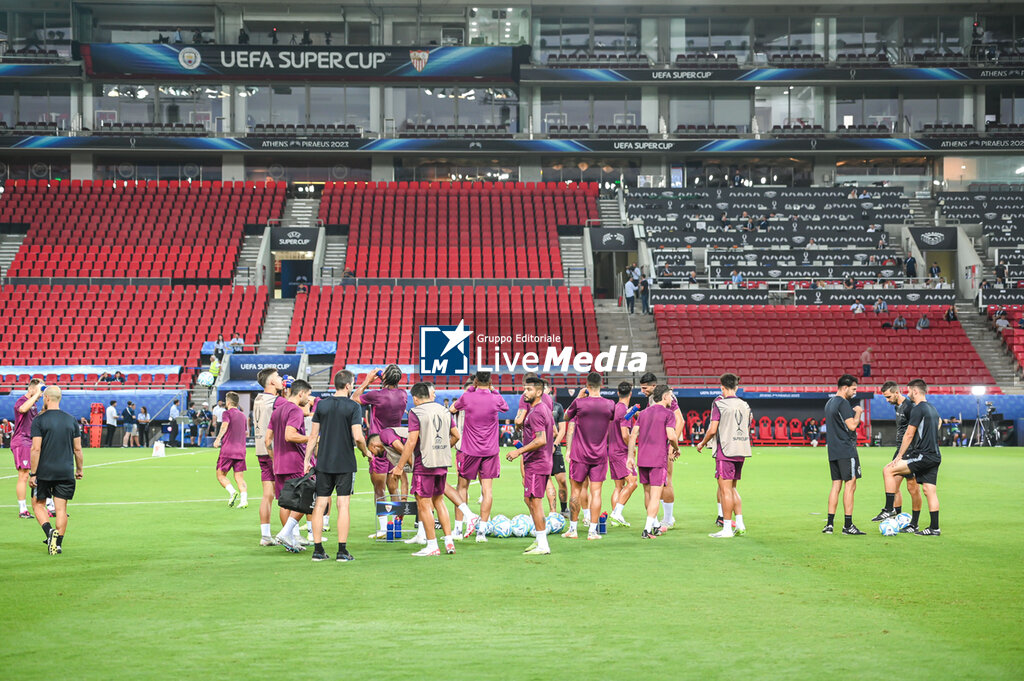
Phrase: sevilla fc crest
(419, 59)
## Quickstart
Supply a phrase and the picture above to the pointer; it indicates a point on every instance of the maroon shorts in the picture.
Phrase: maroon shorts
(279, 481)
(22, 455)
(266, 469)
(426, 486)
(225, 464)
(728, 470)
(535, 484)
(653, 476)
(619, 468)
(483, 467)
(597, 472)
(380, 465)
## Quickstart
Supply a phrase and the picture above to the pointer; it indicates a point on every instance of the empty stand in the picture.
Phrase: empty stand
(456, 230)
(812, 346)
(374, 324)
(111, 325)
(162, 229)
(451, 130)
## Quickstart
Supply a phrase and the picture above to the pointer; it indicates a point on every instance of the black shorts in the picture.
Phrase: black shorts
(925, 470)
(57, 489)
(845, 469)
(557, 462)
(328, 483)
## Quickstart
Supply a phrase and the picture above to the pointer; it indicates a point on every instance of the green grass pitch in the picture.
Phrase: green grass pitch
(161, 580)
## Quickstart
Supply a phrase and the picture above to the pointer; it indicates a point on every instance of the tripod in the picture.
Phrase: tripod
(983, 428)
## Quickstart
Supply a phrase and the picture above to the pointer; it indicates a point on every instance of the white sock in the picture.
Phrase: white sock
(542, 541)
(668, 511)
(382, 522)
(432, 544)
(327, 520)
(290, 526)
(22, 505)
(739, 523)
(309, 526)
(481, 528)
(593, 529)
(49, 505)
(265, 529)
(719, 510)
(649, 525)
(296, 532)
(586, 514)
(421, 533)
(572, 525)
(458, 527)
(231, 489)
(466, 513)
(617, 510)
(245, 497)
(727, 529)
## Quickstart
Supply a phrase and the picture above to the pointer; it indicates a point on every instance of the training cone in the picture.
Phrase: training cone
(158, 448)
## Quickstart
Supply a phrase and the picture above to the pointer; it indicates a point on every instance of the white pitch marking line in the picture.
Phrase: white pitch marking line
(112, 463)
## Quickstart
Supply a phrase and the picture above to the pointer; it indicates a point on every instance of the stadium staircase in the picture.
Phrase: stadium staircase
(276, 326)
(922, 212)
(610, 212)
(616, 327)
(574, 266)
(335, 251)
(9, 245)
(301, 212)
(245, 272)
(990, 348)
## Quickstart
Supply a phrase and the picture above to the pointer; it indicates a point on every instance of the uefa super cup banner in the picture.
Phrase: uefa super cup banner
(244, 62)
(869, 296)
(294, 238)
(935, 238)
(709, 297)
(246, 367)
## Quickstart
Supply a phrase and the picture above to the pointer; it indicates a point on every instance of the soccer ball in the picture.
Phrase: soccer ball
(555, 523)
(500, 526)
(889, 527)
(814, 443)
(206, 379)
(521, 525)
(903, 520)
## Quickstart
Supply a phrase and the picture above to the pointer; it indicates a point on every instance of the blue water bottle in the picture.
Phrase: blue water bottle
(391, 532)
(631, 412)
(602, 523)
(398, 528)
(518, 444)
(380, 373)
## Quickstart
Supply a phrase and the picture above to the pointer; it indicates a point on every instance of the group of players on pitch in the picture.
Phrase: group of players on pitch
(916, 460)
(295, 434)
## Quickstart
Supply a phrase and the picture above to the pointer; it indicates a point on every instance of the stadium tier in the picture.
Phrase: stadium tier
(134, 229)
(456, 230)
(381, 324)
(809, 346)
(122, 325)
(1000, 213)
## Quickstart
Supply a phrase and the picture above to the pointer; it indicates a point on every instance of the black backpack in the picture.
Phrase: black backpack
(299, 494)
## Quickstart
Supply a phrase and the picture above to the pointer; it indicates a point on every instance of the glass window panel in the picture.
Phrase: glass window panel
(288, 105)
(730, 36)
(550, 37)
(955, 33)
(881, 107)
(697, 37)
(622, 110)
(771, 107)
(192, 104)
(806, 105)
(575, 34)
(340, 106)
(677, 37)
(565, 108)
(882, 33)
(689, 107)
(731, 107)
(849, 35)
(49, 103)
(771, 35)
(849, 107)
(919, 108)
(919, 35)
(257, 105)
(7, 113)
(956, 106)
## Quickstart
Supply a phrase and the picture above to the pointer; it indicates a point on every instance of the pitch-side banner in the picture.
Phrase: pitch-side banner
(868, 296)
(245, 62)
(709, 297)
(246, 367)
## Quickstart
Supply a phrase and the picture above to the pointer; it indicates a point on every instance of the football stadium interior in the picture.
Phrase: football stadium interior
(193, 191)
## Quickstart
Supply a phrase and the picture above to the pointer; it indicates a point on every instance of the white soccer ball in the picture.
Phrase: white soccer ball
(500, 526)
(206, 379)
(521, 525)
(814, 443)
(889, 527)
(555, 523)
(903, 520)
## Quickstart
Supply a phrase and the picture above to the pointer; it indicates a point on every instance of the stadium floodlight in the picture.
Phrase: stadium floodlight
(1020, 171)
(977, 390)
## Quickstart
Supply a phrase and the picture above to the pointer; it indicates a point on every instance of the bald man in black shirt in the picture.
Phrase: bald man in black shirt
(55, 465)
